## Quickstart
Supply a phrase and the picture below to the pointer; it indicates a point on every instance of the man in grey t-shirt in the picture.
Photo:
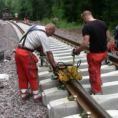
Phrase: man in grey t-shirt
(33, 39)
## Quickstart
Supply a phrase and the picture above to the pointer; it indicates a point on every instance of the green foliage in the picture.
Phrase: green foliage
(24, 8)
(71, 10)
(38, 9)
(66, 10)
(2, 4)
(57, 12)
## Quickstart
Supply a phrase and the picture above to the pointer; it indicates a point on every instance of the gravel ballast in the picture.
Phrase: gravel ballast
(11, 105)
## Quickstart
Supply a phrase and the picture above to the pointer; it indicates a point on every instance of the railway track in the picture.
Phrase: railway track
(94, 106)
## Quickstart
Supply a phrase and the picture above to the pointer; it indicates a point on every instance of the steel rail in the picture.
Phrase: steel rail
(82, 97)
(21, 30)
(73, 43)
(86, 101)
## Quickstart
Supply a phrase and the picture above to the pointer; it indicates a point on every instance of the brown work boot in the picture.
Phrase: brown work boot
(25, 95)
(37, 98)
(97, 93)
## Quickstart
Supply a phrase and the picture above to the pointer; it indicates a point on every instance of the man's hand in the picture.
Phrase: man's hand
(55, 69)
(111, 46)
(75, 52)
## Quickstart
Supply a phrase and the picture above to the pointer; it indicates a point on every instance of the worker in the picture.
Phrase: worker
(26, 61)
(95, 35)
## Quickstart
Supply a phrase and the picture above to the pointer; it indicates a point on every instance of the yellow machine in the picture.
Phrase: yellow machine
(68, 72)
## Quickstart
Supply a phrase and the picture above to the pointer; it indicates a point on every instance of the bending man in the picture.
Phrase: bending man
(26, 61)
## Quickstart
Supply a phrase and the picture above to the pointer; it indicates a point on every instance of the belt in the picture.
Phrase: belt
(97, 51)
(19, 46)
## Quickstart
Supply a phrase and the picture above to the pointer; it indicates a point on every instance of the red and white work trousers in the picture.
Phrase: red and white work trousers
(26, 70)
(94, 68)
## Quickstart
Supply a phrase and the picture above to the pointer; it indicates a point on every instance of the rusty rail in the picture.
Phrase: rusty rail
(67, 41)
(21, 30)
(86, 101)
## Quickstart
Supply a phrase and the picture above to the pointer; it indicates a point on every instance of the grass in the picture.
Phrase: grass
(62, 23)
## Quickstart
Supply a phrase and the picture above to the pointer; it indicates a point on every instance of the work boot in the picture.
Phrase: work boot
(24, 94)
(98, 93)
(95, 93)
(37, 96)
(1, 86)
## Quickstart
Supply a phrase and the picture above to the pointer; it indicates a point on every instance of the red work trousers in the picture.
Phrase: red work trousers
(94, 69)
(26, 69)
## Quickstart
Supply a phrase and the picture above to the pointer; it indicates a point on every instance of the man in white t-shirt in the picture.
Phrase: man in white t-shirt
(33, 39)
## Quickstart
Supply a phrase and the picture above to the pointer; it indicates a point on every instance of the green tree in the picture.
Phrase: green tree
(71, 10)
(111, 12)
(2, 4)
(41, 8)
(24, 8)
(57, 9)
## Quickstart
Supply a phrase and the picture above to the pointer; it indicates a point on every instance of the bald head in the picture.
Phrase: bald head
(87, 16)
(50, 29)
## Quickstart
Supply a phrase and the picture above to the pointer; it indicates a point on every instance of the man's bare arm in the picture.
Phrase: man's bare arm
(51, 59)
(109, 36)
(110, 40)
(85, 44)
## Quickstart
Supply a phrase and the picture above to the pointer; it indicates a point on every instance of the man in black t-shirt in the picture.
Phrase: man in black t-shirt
(95, 35)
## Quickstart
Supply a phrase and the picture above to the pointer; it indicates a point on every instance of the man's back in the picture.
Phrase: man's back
(96, 29)
(36, 37)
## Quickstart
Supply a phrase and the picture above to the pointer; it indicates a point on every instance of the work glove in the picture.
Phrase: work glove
(59, 65)
(74, 52)
(111, 46)
(55, 69)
